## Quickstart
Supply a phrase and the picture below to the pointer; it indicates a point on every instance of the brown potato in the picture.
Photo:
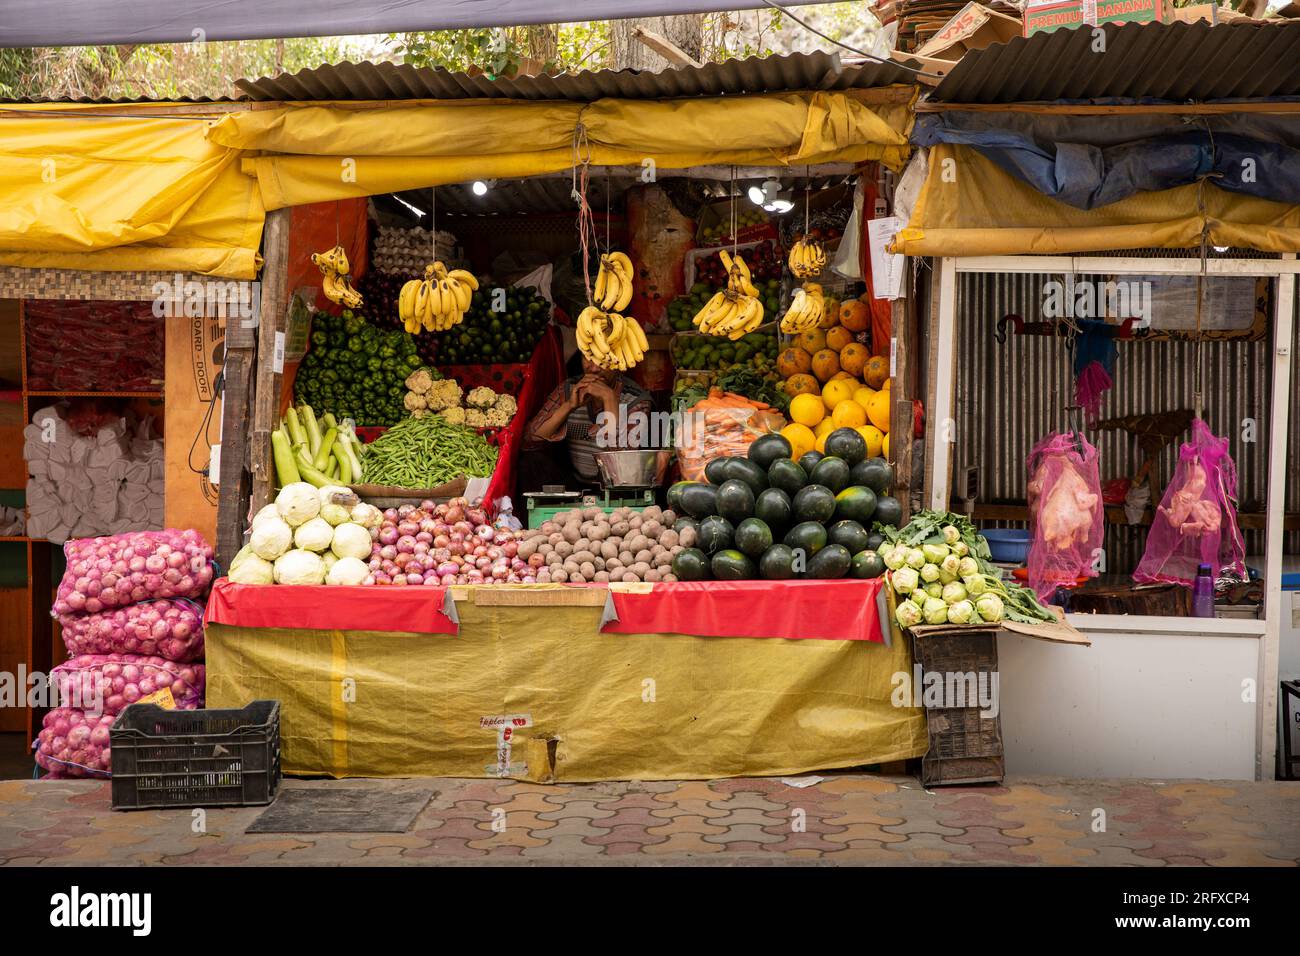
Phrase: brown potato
(572, 532)
(640, 569)
(588, 570)
(599, 563)
(549, 527)
(667, 518)
(652, 513)
(544, 576)
(555, 537)
(630, 576)
(592, 513)
(582, 555)
(626, 558)
(663, 560)
(619, 528)
(669, 576)
(527, 548)
(644, 556)
(686, 537)
(564, 549)
(598, 532)
(652, 529)
(654, 574)
(559, 576)
(544, 549)
(609, 549)
(601, 577)
(669, 538)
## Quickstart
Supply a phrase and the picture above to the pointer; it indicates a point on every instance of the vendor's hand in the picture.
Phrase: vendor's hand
(596, 387)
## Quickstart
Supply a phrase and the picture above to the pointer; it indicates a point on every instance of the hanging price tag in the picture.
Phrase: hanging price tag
(163, 698)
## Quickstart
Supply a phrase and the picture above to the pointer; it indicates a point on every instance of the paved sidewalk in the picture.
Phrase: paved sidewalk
(846, 818)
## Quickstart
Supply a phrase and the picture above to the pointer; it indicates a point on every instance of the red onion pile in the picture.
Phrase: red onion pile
(445, 544)
(123, 569)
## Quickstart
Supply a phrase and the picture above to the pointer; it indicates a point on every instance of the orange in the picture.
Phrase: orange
(843, 374)
(824, 428)
(825, 363)
(863, 395)
(876, 371)
(812, 341)
(793, 361)
(888, 382)
(838, 391)
(830, 314)
(807, 410)
(849, 414)
(802, 385)
(878, 411)
(838, 337)
(884, 448)
(874, 438)
(854, 357)
(801, 439)
(855, 315)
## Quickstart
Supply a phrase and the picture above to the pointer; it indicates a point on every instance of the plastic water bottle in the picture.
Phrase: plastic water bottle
(1203, 592)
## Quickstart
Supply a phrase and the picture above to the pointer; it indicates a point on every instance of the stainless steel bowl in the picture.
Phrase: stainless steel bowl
(633, 469)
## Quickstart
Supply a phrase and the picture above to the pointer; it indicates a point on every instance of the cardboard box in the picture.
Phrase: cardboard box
(1046, 16)
(973, 28)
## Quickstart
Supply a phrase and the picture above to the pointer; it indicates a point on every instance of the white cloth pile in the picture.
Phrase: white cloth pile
(81, 487)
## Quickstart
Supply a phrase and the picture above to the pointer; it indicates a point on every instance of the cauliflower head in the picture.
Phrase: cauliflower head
(481, 398)
(475, 418)
(443, 394)
(455, 415)
(421, 380)
(414, 401)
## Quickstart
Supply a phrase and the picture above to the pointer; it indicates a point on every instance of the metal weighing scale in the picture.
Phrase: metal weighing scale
(628, 478)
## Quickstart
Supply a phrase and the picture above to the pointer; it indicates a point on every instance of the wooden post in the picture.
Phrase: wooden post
(232, 480)
(939, 424)
(266, 395)
(902, 362)
(1274, 606)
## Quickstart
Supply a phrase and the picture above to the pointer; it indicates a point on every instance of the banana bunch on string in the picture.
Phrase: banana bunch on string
(437, 302)
(807, 258)
(737, 309)
(806, 310)
(610, 340)
(614, 282)
(334, 268)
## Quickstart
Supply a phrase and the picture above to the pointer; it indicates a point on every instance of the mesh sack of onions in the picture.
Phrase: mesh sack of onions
(122, 569)
(170, 628)
(73, 743)
(109, 682)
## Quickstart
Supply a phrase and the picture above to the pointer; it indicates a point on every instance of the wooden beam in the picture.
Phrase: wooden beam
(940, 426)
(271, 325)
(666, 48)
(1097, 109)
(233, 482)
(902, 372)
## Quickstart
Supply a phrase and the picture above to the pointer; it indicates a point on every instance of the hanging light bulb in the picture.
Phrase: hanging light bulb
(480, 187)
(757, 196)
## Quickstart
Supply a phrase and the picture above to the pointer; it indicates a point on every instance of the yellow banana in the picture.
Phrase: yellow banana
(602, 284)
(466, 277)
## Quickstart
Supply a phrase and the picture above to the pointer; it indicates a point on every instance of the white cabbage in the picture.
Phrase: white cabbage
(367, 515)
(347, 571)
(299, 567)
(336, 503)
(252, 570)
(268, 511)
(297, 502)
(351, 541)
(314, 535)
(271, 538)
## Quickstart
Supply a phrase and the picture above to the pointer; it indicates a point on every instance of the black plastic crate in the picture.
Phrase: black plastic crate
(196, 758)
(965, 747)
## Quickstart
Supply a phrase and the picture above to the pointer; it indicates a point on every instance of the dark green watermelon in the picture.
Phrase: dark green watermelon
(773, 508)
(732, 565)
(888, 511)
(832, 561)
(814, 503)
(675, 494)
(742, 469)
(768, 448)
(850, 534)
(832, 472)
(786, 475)
(848, 444)
(808, 537)
(776, 563)
(874, 473)
(867, 564)
(874, 541)
(692, 564)
(714, 534)
(685, 522)
(735, 501)
(699, 501)
(855, 503)
(715, 472)
(808, 461)
(753, 537)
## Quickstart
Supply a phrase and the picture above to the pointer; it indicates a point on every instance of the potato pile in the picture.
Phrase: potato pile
(585, 544)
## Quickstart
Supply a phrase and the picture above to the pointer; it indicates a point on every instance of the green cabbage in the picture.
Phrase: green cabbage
(297, 503)
(935, 611)
(990, 607)
(935, 553)
(960, 612)
(915, 558)
(299, 567)
(905, 580)
(954, 592)
(929, 572)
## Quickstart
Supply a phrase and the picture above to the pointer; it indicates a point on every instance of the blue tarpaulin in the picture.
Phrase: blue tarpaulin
(1091, 161)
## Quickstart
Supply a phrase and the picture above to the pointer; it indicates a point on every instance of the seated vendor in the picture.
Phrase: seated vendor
(570, 414)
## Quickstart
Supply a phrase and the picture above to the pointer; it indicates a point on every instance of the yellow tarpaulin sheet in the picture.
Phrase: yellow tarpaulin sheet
(103, 192)
(968, 206)
(340, 150)
(582, 705)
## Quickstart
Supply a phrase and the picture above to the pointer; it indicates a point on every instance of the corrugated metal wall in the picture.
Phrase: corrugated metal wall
(1009, 395)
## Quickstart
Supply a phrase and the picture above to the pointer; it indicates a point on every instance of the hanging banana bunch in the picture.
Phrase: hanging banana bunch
(806, 310)
(610, 340)
(737, 309)
(807, 258)
(614, 282)
(333, 266)
(438, 302)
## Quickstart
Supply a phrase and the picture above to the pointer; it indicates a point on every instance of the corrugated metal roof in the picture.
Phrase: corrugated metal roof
(1163, 61)
(392, 81)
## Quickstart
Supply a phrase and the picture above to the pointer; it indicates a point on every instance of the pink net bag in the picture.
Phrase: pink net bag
(1066, 519)
(1196, 522)
(73, 743)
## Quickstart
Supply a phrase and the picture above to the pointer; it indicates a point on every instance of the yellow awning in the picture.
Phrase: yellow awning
(99, 191)
(969, 206)
(341, 150)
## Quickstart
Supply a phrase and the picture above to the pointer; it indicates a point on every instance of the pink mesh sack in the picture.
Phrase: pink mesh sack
(171, 628)
(1196, 522)
(74, 744)
(121, 569)
(1066, 519)
(109, 682)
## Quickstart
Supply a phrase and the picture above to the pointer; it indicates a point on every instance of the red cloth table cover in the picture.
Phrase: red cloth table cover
(839, 610)
(412, 609)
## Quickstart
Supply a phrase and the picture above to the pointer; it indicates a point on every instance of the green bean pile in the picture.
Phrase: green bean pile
(426, 452)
